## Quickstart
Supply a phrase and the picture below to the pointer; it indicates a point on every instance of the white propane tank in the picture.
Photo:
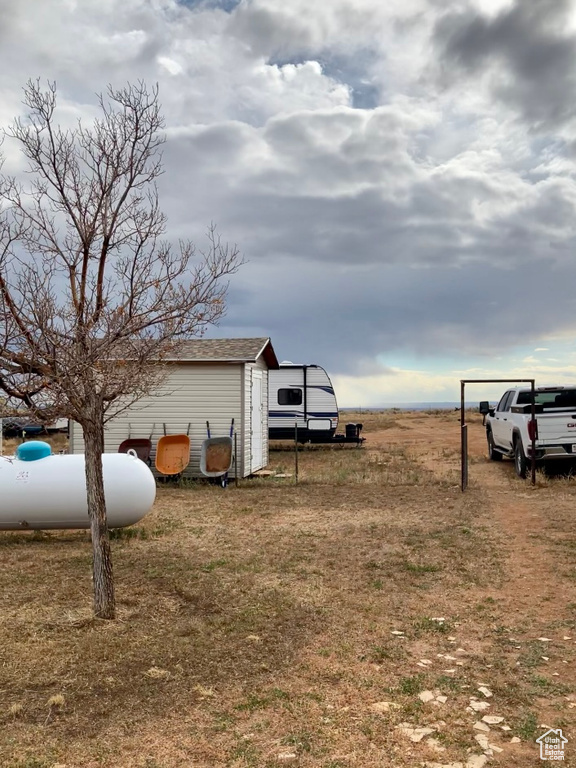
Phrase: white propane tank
(51, 492)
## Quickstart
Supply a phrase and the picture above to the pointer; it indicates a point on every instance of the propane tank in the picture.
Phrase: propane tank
(41, 492)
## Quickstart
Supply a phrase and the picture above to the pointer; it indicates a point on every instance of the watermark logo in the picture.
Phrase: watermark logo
(552, 745)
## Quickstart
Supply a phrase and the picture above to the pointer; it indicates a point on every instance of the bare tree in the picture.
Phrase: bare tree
(92, 300)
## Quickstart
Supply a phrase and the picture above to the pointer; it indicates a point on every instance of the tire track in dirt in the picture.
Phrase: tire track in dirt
(517, 512)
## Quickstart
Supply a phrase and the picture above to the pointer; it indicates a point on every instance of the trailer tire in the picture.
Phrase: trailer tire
(520, 462)
(493, 454)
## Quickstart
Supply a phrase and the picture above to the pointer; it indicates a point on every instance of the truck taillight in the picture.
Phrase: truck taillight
(533, 429)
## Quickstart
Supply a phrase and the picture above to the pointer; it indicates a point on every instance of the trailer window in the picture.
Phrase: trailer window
(291, 396)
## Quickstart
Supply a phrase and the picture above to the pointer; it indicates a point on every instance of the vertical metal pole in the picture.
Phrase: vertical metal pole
(463, 440)
(296, 451)
(236, 459)
(533, 417)
(465, 451)
(305, 380)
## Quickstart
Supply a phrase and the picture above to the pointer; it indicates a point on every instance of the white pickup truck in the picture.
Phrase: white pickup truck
(509, 426)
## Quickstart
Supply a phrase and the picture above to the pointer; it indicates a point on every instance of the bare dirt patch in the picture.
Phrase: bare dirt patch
(305, 620)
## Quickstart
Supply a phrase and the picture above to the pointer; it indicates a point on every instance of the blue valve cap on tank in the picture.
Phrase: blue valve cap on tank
(33, 450)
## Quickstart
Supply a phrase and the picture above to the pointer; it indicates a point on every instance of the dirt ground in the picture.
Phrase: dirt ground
(328, 623)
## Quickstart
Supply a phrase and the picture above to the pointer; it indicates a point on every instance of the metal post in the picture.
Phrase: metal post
(533, 417)
(305, 380)
(463, 440)
(236, 459)
(296, 451)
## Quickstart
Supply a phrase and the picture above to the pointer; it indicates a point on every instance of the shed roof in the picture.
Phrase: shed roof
(227, 351)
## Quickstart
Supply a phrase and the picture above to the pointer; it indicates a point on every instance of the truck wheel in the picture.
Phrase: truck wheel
(493, 454)
(520, 463)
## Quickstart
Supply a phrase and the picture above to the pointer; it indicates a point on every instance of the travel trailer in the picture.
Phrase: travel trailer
(301, 395)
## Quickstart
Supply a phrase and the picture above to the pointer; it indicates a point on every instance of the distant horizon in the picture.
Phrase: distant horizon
(410, 405)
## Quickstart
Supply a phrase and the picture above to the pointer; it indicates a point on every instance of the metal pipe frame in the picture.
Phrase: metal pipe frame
(464, 426)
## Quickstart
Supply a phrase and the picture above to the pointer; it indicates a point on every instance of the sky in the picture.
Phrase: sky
(399, 176)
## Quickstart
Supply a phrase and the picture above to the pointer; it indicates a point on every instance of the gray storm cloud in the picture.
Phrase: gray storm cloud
(340, 321)
(531, 48)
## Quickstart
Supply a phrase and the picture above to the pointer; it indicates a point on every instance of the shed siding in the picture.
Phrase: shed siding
(247, 447)
(193, 393)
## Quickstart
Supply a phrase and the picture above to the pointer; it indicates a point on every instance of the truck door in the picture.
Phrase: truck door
(501, 426)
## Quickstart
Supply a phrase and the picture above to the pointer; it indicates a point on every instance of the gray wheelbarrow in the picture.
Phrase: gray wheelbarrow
(216, 455)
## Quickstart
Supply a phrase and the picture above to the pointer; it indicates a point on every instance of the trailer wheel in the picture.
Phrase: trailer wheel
(493, 454)
(520, 463)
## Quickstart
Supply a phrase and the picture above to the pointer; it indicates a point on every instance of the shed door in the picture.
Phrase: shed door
(257, 426)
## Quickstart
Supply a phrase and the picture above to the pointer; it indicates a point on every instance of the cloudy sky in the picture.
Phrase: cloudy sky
(399, 175)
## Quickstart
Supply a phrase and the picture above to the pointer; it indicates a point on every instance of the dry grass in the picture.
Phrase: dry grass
(349, 465)
(259, 620)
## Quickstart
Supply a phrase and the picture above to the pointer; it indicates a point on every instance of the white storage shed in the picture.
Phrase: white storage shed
(214, 380)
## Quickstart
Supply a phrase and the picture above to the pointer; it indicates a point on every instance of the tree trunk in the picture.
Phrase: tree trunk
(104, 600)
